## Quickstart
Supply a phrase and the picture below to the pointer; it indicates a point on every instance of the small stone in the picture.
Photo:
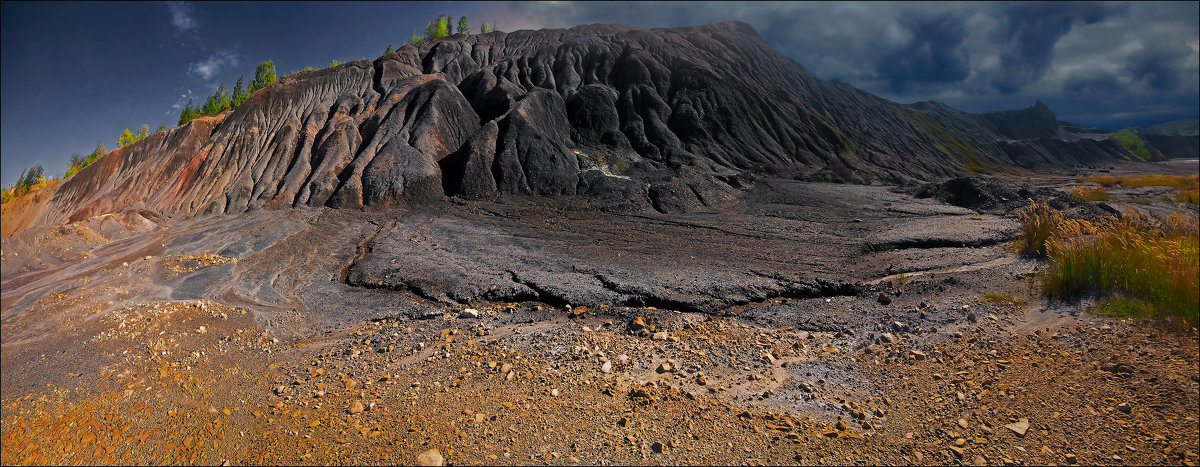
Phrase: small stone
(432, 457)
(887, 338)
(606, 367)
(659, 336)
(1071, 459)
(958, 452)
(1125, 408)
(962, 423)
(349, 383)
(841, 425)
(664, 367)
(573, 459)
(657, 447)
(469, 313)
(637, 324)
(505, 367)
(916, 354)
(554, 393)
(356, 407)
(1020, 427)
(979, 460)
(884, 299)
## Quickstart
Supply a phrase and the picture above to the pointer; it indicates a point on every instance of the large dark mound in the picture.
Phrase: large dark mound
(631, 119)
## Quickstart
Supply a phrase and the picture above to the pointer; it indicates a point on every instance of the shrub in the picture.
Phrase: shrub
(391, 49)
(127, 138)
(463, 27)
(1089, 193)
(1152, 260)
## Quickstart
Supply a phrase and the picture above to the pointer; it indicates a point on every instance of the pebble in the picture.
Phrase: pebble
(607, 367)
(916, 354)
(1125, 408)
(1020, 427)
(432, 457)
(469, 313)
(637, 324)
(356, 407)
(884, 299)
(659, 336)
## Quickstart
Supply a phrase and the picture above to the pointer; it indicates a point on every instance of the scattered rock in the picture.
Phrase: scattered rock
(1125, 407)
(356, 407)
(637, 324)
(432, 457)
(1019, 427)
(469, 313)
(606, 367)
(884, 299)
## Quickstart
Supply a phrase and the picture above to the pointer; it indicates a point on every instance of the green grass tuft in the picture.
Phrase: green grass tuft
(1125, 308)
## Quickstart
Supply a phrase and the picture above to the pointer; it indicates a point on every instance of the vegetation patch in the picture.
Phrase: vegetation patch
(1001, 299)
(1125, 308)
(1090, 193)
(1132, 141)
(1153, 260)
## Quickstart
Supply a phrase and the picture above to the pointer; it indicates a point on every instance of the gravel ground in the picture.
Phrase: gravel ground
(238, 340)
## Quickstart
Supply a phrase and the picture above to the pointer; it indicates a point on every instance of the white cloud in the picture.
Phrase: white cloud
(181, 16)
(211, 66)
(179, 103)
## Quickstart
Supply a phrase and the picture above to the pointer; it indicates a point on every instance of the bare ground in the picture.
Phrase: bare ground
(281, 337)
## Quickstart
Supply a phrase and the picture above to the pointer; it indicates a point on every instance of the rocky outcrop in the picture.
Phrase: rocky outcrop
(627, 118)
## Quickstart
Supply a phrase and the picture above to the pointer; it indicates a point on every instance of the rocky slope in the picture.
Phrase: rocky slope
(632, 119)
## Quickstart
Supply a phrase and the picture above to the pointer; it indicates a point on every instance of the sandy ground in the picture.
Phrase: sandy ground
(811, 323)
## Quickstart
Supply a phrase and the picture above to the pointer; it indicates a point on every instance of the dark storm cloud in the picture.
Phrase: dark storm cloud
(1098, 88)
(1028, 35)
(1160, 65)
(934, 55)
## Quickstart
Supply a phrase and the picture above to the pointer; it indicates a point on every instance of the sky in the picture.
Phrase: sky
(75, 74)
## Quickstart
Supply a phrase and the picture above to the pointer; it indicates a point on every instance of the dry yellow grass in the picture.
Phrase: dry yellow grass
(1191, 195)
(1106, 180)
(1155, 260)
(1090, 193)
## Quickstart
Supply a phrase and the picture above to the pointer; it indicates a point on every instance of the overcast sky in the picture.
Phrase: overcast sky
(76, 73)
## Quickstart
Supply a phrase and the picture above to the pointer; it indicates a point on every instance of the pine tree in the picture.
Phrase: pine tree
(264, 75)
(239, 94)
(333, 63)
(437, 29)
(484, 28)
(462, 26)
(142, 133)
(188, 113)
(415, 40)
(391, 49)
